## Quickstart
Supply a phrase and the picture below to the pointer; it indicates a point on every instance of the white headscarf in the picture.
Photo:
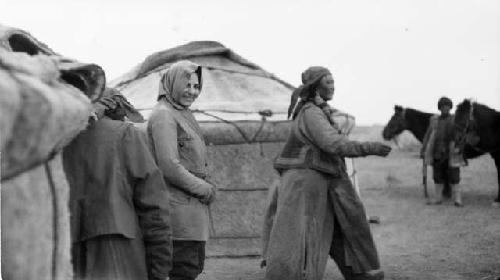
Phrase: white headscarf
(174, 81)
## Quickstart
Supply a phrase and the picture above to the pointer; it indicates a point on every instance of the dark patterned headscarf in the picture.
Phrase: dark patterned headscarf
(111, 101)
(310, 80)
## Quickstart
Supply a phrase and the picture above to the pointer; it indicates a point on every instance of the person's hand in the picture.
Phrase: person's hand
(99, 110)
(379, 149)
(210, 196)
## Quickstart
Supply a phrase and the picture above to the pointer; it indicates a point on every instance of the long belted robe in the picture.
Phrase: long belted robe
(314, 192)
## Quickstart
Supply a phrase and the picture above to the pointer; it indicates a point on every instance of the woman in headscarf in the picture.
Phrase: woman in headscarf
(181, 154)
(316, 211)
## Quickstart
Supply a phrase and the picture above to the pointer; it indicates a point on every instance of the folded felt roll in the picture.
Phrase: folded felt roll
(88, 78)
(44, 99)
(40, 112)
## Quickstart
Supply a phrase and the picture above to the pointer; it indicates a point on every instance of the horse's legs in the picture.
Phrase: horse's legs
(496, 158)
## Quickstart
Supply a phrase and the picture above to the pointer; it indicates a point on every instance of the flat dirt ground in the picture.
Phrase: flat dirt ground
(415, 241)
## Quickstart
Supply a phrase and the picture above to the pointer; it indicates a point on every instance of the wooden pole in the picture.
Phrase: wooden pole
(424, 178)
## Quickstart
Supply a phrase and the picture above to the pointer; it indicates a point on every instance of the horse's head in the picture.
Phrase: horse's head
(465, 125)
(396, 124)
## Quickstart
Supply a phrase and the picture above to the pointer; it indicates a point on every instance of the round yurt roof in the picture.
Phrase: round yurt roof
(233, 87)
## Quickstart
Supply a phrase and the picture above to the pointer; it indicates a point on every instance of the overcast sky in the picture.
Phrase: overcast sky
(381, 53)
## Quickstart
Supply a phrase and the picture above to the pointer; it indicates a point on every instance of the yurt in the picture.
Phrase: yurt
(242, 112)
(45, 101)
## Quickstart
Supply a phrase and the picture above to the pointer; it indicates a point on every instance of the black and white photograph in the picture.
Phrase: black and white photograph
(250, 140)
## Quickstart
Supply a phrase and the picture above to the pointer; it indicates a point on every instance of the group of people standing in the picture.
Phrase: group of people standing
(140, 201)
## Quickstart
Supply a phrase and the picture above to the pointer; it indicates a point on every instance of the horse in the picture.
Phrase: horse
(477, 128)
(410, 119)
(417, 123)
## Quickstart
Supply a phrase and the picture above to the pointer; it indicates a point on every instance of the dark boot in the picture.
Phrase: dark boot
(370, 275)
(337, 253)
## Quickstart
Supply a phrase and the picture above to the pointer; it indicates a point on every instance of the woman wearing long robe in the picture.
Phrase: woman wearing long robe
(317, 211)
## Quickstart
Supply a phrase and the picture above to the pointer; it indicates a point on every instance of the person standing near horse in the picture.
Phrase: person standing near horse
(181, 154)
(318, 212)
(120, 227)
(437, 150)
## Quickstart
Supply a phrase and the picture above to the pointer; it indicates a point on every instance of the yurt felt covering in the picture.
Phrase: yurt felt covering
(241, 147)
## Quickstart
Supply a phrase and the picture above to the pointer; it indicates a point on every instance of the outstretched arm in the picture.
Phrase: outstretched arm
(316, 128)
